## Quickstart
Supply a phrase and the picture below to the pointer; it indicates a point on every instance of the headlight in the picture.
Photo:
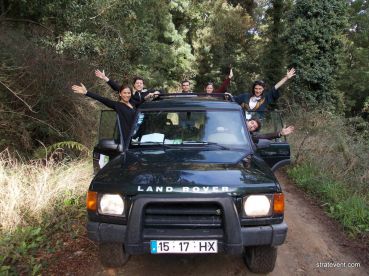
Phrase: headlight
(257, 206)
(111, 204)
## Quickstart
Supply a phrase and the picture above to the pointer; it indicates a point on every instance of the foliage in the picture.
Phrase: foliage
(360, 126)
(273, 58)
(354, 77)
(126, 38)
(26, 249)
(222, 39)
(366, 105)
(344, 204)
(113, 34)
(248, 5)
(332, 144)
(39, 205)
(36, 103)
(315, 43)
(60, 147)
(18, 250)
(331, 163)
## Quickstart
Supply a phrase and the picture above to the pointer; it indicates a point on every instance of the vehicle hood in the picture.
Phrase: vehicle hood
(202, 170)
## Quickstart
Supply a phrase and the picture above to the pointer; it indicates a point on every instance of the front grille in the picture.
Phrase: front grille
(183, 215)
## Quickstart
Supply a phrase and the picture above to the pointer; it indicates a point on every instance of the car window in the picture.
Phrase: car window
(190, 127)
(270, 121)
(108, 128)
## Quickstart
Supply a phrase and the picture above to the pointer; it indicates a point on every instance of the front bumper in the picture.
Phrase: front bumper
(232, 238)
(272, 235)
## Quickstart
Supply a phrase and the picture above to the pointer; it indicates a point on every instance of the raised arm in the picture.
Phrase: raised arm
(286, 131)
(81, 89)
(225, 84)
(290, 74)
(230, 76)
(101, 75)
(113, 85)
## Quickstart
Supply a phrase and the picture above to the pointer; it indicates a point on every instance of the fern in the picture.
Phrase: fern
(67, 145)
(71, 145)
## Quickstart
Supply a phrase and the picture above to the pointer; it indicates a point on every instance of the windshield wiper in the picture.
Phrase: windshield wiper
(194, 143)
(218, 145)
(203, 143)
(183, 143)
(150, 144)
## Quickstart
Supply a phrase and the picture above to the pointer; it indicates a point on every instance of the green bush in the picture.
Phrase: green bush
(353, 212)
(22, 251)
(18, 250)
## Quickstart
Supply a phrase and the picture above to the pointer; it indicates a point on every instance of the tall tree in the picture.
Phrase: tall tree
(222, 39)
(273, 60)
(131, 37)
(354, 78)
(314, 40)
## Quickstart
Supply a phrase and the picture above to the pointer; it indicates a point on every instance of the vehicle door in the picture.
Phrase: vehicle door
(275, 152)
(109, 143)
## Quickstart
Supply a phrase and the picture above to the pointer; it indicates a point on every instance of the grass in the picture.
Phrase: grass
(330, 163)
(349, 208)
(39, 202)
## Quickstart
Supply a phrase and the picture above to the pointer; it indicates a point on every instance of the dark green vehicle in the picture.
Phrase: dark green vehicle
(190, 181)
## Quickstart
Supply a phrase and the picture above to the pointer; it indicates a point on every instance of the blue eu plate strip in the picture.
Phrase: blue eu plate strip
(153, 247)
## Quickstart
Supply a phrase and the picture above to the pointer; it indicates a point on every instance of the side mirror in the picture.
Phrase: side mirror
(263, 143)
(108, 145)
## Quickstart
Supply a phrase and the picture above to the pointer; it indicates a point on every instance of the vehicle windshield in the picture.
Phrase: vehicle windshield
(224, 128)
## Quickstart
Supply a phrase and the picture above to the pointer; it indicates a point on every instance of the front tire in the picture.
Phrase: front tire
(260, 259)
(113, 254)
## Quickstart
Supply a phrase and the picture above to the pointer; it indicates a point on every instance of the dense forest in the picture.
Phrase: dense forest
(48, 45)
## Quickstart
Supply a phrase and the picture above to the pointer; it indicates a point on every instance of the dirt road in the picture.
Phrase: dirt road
(315, 245)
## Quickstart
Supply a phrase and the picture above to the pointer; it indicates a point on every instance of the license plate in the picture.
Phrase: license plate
(183, 247)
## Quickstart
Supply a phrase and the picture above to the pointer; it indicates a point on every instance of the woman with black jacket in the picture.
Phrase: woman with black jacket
(125, 109)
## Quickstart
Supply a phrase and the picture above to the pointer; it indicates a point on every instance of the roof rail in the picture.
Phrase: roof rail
(223, 96)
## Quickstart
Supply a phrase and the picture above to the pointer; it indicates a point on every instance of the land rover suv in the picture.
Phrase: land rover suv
(190, 181)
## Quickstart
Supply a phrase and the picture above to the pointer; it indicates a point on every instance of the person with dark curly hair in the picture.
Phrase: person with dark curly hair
(258, 100)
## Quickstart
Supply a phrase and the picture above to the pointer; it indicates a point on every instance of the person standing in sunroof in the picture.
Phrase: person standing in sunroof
(258, 99)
